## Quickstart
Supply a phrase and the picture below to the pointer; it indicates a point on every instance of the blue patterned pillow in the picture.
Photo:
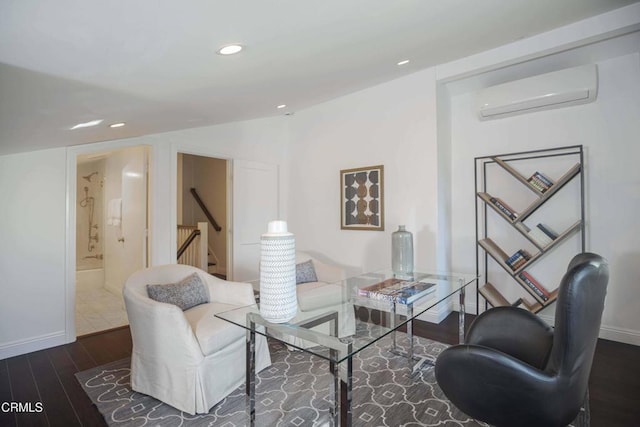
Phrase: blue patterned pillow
(187, 293)
(305, 272)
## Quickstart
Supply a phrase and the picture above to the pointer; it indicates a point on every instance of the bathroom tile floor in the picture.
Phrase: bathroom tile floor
(98, 310)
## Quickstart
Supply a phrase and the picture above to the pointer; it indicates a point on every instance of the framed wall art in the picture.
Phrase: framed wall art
(362, 198)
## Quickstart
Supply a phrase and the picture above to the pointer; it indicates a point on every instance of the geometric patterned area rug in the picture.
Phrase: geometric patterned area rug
(294, 391)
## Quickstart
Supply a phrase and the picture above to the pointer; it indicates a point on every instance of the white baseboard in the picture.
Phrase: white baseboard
(436, 314)
(626, 336)
(29, 345)
(622, 335)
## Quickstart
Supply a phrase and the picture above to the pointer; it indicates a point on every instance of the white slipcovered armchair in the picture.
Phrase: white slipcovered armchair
(189, 359)
(321, 296)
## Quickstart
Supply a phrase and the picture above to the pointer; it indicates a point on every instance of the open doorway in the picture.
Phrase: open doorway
(111, 234)
(202, 205)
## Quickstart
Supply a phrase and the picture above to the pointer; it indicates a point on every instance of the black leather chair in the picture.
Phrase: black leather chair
(515, 370)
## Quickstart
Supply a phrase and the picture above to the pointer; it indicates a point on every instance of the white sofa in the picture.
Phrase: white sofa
(322, 296)
(189, 359)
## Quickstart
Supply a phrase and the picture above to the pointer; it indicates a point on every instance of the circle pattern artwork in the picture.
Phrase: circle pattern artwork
(362, 198)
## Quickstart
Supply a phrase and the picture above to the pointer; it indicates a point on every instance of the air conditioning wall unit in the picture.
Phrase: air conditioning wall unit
(571, 86)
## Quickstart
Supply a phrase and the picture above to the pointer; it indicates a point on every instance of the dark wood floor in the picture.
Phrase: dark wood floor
(47, 376)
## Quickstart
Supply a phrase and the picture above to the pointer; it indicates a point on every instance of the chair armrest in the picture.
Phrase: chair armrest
(161, 329)
(328, 273)
(315, 295)
(513, 331)
(495, 387)
(227, 292)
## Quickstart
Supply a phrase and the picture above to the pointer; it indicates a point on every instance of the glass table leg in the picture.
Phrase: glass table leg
(410, 335)
(346, 404)
(335, 389)
(250, 381)
(461, 316)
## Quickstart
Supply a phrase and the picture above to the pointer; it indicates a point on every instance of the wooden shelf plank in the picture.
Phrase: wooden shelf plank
(494, 250)
(552, 295)
(568, 232)
(493, 296)
(486, 197)
(517, 176)
(533, 307)
(551, 191)
(501, 256)
(517, 223)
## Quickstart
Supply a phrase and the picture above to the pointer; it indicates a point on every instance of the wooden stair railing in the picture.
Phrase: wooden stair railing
(192, 243)
(212, 221)
(185, 245)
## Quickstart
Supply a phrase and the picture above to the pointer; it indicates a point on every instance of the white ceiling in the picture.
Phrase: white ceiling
(152, 63)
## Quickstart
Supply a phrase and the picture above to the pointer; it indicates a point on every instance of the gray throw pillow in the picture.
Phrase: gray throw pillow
(305, 272)
(187, 293)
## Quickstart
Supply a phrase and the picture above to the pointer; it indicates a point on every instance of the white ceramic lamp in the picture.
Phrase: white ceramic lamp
(278, 299)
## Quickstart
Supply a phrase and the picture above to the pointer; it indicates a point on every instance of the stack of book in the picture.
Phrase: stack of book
(540, 182)
(536, 287)
(397, 290)
(504, 208)
(518, 259)
(542, 235)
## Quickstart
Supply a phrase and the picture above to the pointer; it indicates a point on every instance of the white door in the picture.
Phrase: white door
(126, 250)
(134, 212)
(255, 203)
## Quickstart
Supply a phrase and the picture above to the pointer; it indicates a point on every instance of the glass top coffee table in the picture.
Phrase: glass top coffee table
(373, 302)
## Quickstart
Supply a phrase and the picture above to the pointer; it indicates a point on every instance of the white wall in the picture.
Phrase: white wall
(392, 124)
(32, 248)
(609, 130)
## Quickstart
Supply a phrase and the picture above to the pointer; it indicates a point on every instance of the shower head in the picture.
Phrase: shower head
(88, 177)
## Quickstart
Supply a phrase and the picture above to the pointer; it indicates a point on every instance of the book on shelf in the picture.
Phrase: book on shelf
(548, 182)
(537, 185)
(539, 236)
(519, 263)
(540, 182)
(518, 259)
(504, 208)
(398, 290)
(549, 232)
(534, 285)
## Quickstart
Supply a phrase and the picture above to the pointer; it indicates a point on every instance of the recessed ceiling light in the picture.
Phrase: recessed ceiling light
(403, 62)
(281, 106)
(117, 125)
(87, 124)
(229, 49)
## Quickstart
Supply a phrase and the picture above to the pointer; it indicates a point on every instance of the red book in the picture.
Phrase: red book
(535, 283)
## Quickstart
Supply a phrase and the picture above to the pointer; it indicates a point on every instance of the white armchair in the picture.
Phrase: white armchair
(189, 359)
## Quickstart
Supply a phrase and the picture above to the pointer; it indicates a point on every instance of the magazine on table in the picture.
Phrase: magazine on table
(398, 290)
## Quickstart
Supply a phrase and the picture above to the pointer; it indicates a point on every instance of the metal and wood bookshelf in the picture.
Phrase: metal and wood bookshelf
(488, 251)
